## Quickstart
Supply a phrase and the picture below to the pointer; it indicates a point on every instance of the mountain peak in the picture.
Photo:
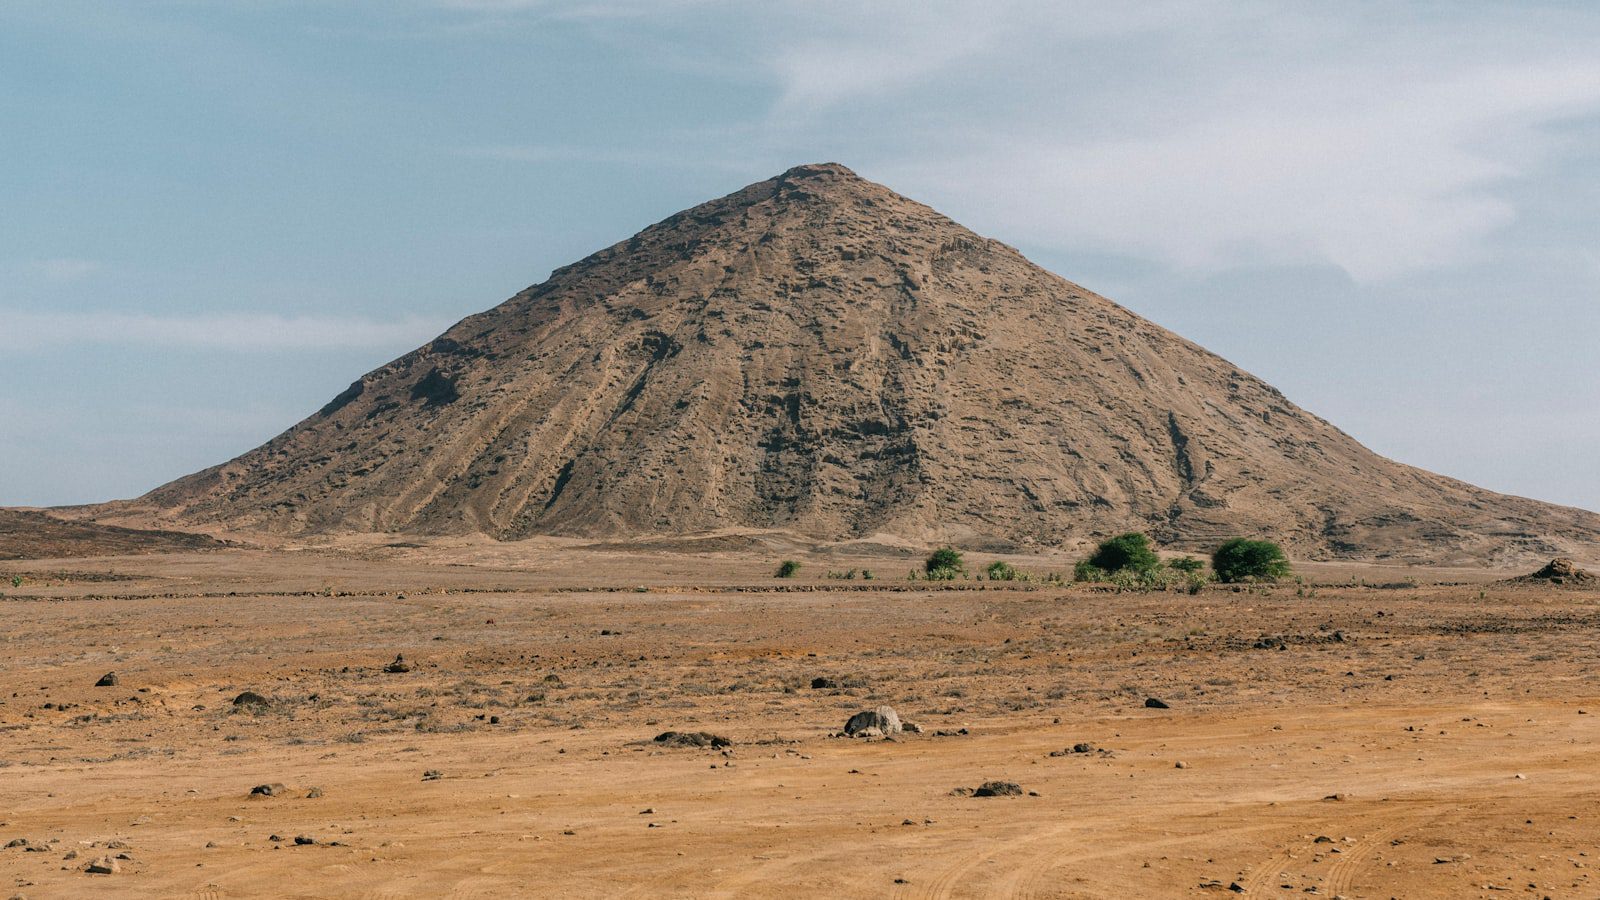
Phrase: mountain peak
(818, 355)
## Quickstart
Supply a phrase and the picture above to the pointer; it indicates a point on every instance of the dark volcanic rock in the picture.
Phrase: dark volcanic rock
(998, 789)
(692, 739)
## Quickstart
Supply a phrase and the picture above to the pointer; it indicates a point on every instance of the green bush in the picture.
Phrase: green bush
(1246, 560)
(1086, 571)
(1187, 565)
(1001, 571)
(788, 569)
(944, 564)
(1129, 551)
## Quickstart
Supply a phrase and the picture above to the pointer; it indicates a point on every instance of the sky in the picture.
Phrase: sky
(216, 215)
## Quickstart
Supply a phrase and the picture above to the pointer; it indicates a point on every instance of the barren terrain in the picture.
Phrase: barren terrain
(1373, 732)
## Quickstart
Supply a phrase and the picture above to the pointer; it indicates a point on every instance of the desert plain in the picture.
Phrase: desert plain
(1363, 731)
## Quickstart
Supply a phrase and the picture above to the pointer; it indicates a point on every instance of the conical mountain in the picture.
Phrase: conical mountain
(819, 355)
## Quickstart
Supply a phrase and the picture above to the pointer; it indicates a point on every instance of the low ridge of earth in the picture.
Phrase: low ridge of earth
(1375, 732)
(820, 356)
(28, 534)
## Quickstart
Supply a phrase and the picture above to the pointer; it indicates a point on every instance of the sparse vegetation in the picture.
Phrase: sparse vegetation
(1129, 552)
(1186, 564)
(1242, 560)
(944, 564)
(1002, 571)
(788, 569)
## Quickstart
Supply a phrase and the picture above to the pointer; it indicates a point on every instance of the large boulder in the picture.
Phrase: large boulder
(874, 723)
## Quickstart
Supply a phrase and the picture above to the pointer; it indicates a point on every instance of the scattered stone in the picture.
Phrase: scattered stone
(998, 789)
(874, 723)
(302, 840)
(104, 865)
(432, 775)
(692, 739)
(275, 789)
(552, 678)
(251, 698)
(1337, 797)
(314, 794)
(109, 679)
(16, 842)
(1153, 703)
(399, 665)
(1236, 887)
(823, 684)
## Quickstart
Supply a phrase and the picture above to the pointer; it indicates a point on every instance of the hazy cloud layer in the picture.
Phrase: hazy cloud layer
(238, 332)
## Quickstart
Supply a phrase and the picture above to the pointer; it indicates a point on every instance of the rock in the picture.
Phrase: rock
(1180, 764)
(1236, 887)
(998, 789)
(275, 789)
(1559, 571)
(398, 666)
(432, 775)
(884, 719)
(1153, 703)
(823, 684)
(692, 739)
(314, 793)
(912, 727)
(302, 840)
(251, 698)
(109, 679)
(16, 842)
(104, 865)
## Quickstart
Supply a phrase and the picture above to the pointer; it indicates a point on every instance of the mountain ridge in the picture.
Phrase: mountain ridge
(817, 354)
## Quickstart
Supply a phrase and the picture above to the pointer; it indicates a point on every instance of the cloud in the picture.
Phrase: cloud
(25, 331)
(65, 269)
(1199, 135)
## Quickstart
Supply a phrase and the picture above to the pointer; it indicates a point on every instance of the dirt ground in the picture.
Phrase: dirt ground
(1368, 733)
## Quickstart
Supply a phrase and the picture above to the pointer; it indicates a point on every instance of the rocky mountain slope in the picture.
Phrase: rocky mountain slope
(819, 355)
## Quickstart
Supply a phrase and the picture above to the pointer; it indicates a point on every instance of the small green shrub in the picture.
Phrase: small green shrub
(788, 569)
(1001, 571)
(866, 574)
(1187, 565)
(1087, 571)
(1245, 560)
(16, 581)
(1129, 551)
(944, 564)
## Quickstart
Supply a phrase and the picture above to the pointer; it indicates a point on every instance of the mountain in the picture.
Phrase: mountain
(819, 355)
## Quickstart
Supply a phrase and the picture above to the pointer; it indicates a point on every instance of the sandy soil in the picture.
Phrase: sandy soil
(1392, 738)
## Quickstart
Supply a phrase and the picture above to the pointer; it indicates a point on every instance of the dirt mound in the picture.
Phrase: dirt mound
(26, 534)
(1560, 572)
(818, 355)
